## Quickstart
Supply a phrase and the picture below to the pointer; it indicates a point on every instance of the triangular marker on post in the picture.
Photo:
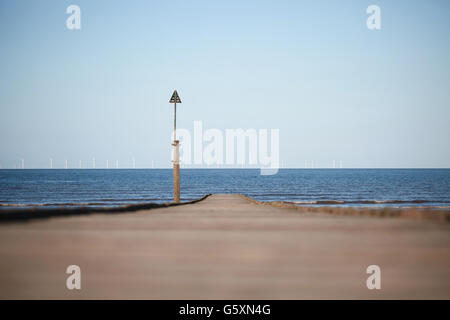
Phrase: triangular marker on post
(175, 98)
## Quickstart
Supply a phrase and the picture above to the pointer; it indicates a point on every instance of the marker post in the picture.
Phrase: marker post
(176, 152)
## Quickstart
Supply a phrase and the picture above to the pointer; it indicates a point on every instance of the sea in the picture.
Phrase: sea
(26, 188)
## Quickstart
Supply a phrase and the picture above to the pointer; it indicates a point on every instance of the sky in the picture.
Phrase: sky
(312, 69)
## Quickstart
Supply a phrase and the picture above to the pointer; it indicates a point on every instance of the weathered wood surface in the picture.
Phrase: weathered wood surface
(224, 247)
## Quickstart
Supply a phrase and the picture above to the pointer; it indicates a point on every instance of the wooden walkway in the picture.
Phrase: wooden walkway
(224, 247)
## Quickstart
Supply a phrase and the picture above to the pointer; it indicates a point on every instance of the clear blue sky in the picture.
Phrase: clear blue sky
(335, 89)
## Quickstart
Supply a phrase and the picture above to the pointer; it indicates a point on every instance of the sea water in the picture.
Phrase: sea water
(315, 187)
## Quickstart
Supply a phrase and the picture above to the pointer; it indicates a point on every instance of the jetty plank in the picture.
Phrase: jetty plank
(224, 247)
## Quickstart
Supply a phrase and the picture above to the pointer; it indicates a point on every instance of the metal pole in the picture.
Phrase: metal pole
(176, 160)
(175, 122)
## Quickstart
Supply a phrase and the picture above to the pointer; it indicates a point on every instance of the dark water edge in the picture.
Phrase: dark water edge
(374, 188)
(31, 213)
